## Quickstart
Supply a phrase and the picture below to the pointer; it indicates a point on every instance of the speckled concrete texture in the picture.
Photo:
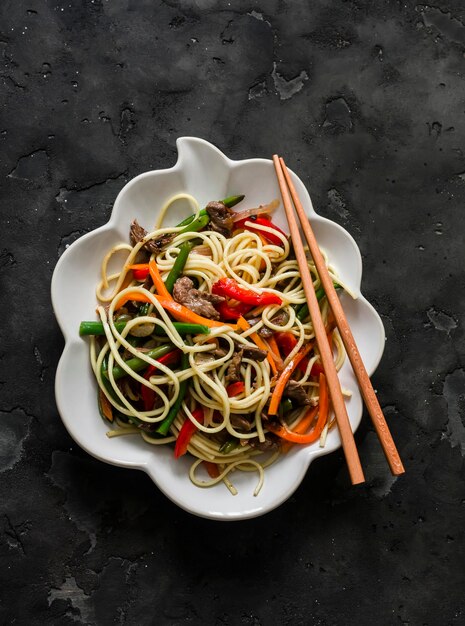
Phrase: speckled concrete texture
(366, 101)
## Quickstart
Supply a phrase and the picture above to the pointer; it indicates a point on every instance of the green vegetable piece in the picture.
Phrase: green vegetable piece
(303, 311)
(195, 225)
(96, 328)
(178, 265)
(190, 219)
(231, 201)
(169, 419)
(284, 407)
(137, 364)
(143, 309)
(228, 446)
(185, 329)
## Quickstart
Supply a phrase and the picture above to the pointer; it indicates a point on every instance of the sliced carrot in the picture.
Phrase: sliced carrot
(258, 341)
(275, 350)
(157, 280)
(138, 266)
(296, 437)
(180, 312)
(302, 426)
(284, 378)
(106, 410)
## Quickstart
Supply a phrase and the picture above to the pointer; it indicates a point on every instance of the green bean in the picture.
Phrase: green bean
(195, 225)
(169, 419)
(228, 446)
(230, 201)
(190, 219)
(185, 329)
(96, 328)
(143, 309)
(105, 382)
(137, 364)
(303, 311)
(179, 264)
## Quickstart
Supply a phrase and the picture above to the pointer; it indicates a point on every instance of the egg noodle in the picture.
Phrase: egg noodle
(255, 263)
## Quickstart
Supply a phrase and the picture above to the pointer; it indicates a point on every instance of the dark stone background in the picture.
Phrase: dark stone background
(367, 102)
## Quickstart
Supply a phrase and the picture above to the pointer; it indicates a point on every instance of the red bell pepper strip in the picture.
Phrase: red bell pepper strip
(230, 288)
(148, 395)
(317, 369)
(186, 432)
(212, 469)
(286, 343)
(140, 271)
(235, 389)
(229, 312)
(262, 221)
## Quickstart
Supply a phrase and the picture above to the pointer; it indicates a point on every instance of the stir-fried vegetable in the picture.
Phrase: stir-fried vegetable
(179, 264)
(96, 328)
(137, 364)
(157, 280)
(169, 419)
(248, 224)
(258, 341)
(229, 312)
(234, 389)
(178, 311)
(285, 377)
(188, 429)
(148, 395)
(140, 271)
(230, 288)
(296, 437)
(230, 201)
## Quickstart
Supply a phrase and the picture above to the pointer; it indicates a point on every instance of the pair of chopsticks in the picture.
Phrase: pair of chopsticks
(348, 444)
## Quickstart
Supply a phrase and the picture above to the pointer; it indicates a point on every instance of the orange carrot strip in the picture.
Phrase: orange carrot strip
(244, 325)
(284, 378)
(294, 436)
(302, 426)
(180, 312)
(138, 266)
(275, 350)
(157, 280)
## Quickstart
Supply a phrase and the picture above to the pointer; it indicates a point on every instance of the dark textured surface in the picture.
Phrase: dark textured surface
(366, 100)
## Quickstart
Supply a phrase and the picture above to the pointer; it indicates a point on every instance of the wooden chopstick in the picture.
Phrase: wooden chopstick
(345, 430)
(364, 382)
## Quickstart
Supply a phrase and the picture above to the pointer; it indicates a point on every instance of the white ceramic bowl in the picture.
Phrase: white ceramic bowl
(206, 173)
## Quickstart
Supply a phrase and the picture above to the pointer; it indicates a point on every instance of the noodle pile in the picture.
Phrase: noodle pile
(255, 263)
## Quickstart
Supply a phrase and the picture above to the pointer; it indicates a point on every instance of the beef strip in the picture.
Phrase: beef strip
(196, 301)
(240, 422)
(264, 331)
(233, 373)
(279, 319)
(218, 353)
(251, 352)
(137, 233)
(294, 391)
(220, 218)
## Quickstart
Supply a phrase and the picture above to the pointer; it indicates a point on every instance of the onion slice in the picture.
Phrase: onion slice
(264, 208)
